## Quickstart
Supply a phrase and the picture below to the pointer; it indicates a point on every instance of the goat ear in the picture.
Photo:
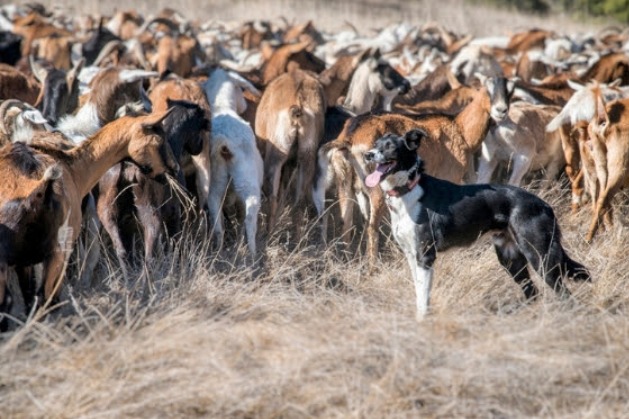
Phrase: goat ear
(152, 122)
(615, 83)
(146, 101)
(34, 116)
(245, 84)
(413, 138)
(510, 87)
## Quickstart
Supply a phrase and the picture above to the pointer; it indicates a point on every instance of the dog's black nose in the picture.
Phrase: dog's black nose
(368, 156)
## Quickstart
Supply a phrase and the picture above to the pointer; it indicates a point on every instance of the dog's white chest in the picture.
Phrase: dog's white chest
(404, 213)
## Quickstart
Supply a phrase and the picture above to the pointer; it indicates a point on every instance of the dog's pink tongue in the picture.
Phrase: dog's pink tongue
(373, 179)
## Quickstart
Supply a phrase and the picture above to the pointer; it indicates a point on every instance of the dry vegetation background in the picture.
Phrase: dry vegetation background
(467, 16)
(315, 335)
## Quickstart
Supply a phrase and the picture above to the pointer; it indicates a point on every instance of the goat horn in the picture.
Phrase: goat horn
(74, 72)
(137, 50)
(107, 49)
(351, 26)
(164, 21)
(38, 70)
(231, 65)
(131, 76)
(4, 107)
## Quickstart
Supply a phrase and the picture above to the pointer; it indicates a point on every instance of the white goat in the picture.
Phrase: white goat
(236, 164)
(372, 78)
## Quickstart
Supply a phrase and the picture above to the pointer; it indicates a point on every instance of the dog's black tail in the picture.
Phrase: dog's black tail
(576, 271)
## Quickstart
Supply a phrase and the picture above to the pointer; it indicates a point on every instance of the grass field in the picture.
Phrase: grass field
(314, 334)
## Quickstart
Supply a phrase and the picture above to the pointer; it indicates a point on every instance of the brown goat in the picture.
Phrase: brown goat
(33, 26)
(290, 125)
(40, 200)
(288, 57)
(16, 85)
(609, 68)
(55, 50)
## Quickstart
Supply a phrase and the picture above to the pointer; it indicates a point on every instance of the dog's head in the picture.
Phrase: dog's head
(395, 157)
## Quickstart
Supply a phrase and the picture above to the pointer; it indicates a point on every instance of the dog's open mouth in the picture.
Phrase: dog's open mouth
(382, 169)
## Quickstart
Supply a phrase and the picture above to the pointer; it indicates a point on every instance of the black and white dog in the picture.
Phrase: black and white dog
(430, 215)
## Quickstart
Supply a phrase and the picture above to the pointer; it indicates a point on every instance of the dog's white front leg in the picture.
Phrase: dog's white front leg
(423, 285)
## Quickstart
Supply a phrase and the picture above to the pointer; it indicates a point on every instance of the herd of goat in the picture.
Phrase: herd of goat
(103, 121)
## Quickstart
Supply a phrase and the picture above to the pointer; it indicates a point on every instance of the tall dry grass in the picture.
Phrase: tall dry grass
(314, 335)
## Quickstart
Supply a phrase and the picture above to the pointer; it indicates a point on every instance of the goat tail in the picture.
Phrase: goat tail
(557, 122)
(295, 112)
(327, 148)
(576, 271)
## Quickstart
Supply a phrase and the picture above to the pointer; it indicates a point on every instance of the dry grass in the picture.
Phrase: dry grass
(315, 336)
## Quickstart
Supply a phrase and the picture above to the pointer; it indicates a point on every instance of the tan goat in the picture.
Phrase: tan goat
(608, 132)
(520, 141)
(290, 125)
(40, 199)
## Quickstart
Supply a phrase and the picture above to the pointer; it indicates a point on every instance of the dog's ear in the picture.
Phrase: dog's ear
(413, 138)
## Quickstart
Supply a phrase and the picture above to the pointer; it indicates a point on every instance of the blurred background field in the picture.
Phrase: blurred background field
(481, 18)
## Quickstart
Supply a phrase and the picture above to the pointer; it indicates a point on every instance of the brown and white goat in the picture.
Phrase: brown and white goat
(40, 199)
(290, 126)
(111, 89)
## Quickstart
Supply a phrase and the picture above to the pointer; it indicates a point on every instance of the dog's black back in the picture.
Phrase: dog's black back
(465, 212)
